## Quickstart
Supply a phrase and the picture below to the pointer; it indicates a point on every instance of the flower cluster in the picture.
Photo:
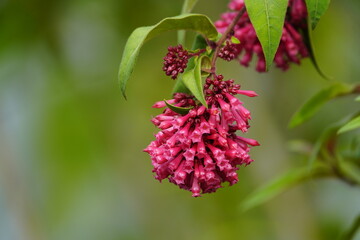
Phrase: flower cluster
(200, 150)
(175, 61)
(228, 52)
(291, 48)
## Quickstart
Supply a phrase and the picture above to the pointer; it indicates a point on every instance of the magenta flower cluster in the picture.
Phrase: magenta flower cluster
(200, 150)
(175, 61)
(291, 48)
(229, 51)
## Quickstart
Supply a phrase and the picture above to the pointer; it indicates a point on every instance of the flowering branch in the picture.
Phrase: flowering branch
(199, 149)
(223, 38)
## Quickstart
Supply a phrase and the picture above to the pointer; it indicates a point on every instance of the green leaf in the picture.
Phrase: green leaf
(180, 110)
(317, 101)
(180, 87)
(193, 80)
(307, 35)
(351, 125)
(187, 8)
(195, 22)
(235, 40)
(281, 184)
(316, 8)
(205, 64)
(267, 17)
(357, 99)
(199, 43)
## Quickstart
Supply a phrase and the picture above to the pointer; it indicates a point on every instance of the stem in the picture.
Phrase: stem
(224, 37)
(350, 234)
(334, 163)
(356, 89)
(197, 53)
(341, 176)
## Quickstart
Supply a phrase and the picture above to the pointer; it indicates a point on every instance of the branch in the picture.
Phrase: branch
(224, 37)
(350, 234)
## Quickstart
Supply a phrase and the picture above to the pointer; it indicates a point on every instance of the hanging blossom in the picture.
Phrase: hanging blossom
(291, 48)
(200, 150)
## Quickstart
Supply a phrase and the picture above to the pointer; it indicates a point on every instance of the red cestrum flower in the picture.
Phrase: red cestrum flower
(291, 48)
(200, 150)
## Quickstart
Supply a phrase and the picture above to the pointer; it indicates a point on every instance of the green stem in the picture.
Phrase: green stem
(350, 234)
(334, 161)
(186, 8)
(343, 177)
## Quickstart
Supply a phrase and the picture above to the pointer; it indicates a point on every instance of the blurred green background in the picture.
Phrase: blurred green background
(71, 160)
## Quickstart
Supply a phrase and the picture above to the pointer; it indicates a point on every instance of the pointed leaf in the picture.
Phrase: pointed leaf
(317, 101)
(235, 40)
(307, 35)
(188, 79)
(205, 64)
(195, 22)
(267, 17)
(180, 87)
(193, 80)
(316, 8)
(180, 110)
(282, 184)
(351, 125)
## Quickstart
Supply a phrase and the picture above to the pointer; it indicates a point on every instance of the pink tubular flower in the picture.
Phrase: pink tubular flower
(200, 150)
(291, 48)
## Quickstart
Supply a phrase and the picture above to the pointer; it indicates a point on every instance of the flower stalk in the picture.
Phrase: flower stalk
(224, 37)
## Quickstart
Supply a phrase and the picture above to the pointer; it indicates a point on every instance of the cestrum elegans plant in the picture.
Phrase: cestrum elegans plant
(202, 140)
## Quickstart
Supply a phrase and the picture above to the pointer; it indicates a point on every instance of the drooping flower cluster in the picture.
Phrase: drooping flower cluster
(291, 48)
(200, 150)
(175, 61)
